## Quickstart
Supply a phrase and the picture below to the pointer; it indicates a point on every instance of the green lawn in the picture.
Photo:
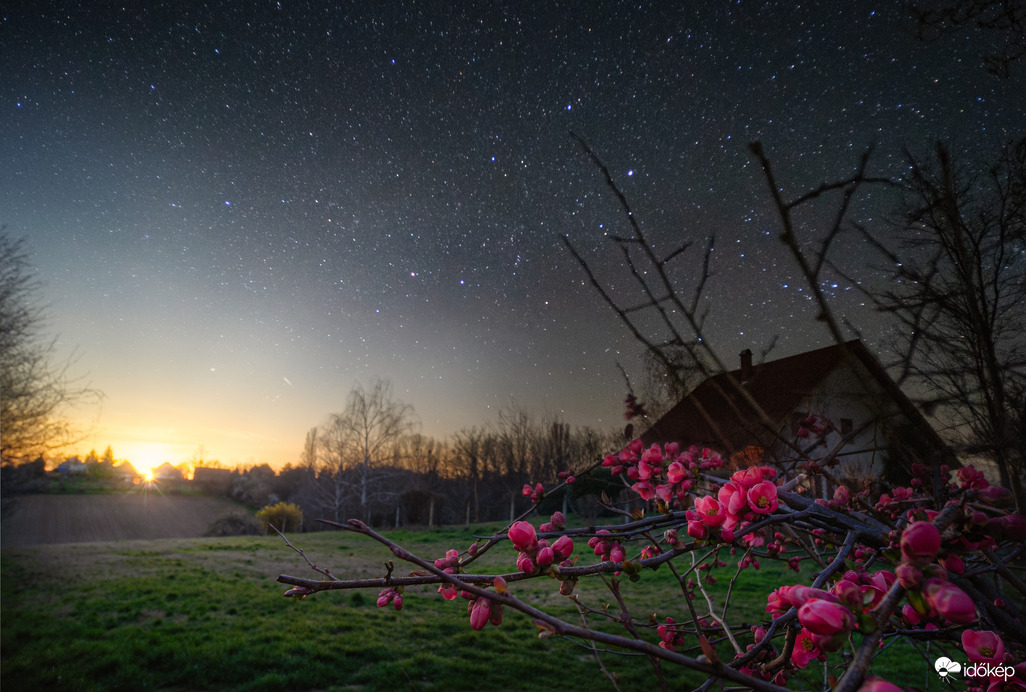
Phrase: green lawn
(207, 614)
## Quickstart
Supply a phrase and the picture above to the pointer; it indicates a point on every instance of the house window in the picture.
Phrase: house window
(846, 426)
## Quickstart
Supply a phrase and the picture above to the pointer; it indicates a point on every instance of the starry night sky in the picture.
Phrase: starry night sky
(241, 209)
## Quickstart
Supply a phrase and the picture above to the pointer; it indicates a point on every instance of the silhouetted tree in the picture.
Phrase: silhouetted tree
(35, 388)
(959, 293)
(467, 459)
(356, 443)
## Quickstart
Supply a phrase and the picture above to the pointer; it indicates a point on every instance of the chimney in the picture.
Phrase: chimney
(746, 365)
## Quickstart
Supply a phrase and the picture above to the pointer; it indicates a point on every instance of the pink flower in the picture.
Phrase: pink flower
(732, 497)
(849, 593)
(983, 647)
(950, 601)
(563, 547)
(751, 476)
(676, 472)
(823, 617)
(558, 519)
(710, 511)
(525, 564)
(842, 496)
(448, 591)
(778, 602)
(952, 563)
(480, 613)
(698, 530)
(616, 553)
(908, 575)
(523, 536)
(644, 489)
(920, 542)
(762, 497)
(805, 650)
(670, 637)
(545, 557)
(1011, 527)
(664, 492)
(996, 496)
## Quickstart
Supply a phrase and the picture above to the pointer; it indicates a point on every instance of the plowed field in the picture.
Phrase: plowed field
(43, 519)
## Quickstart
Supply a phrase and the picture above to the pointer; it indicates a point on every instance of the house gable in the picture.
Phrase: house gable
(843, 383)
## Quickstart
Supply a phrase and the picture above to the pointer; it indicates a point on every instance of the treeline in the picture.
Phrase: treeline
(475, 475)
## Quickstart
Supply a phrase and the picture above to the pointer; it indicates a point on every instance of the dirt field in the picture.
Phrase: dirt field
(45, 519)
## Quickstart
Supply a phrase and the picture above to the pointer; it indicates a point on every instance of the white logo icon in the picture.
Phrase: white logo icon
(945, 666)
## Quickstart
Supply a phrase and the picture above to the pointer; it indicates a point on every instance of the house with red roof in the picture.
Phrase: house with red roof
(834, 400)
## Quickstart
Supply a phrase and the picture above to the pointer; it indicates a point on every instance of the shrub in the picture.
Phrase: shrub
(234, 522)
(284, 516)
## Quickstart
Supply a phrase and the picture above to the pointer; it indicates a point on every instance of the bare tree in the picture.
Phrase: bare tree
(959, 293)
(467, 457)
(423, 456)
(35, 388)
(358, 442)
(517, 443)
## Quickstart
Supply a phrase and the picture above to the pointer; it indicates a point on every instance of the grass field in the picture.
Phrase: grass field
(207, 614)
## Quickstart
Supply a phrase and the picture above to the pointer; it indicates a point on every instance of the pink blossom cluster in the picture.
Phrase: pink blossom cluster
(661, 472)
(536, 493)
(920, 572)
(748, 494)
(536, 554)
(827, 617)
(607, 548)
(450, 564)
(669, 636)
(393, 596)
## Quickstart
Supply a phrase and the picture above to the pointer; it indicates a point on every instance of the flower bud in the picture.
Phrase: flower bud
(523, 536)
(920, 542)
(823, 617)
(953, 563)
(996, 496)
(480, 613)
(525, 564)
(545, 557)
(1011, 527)
(909, 576)
(563, 547)
(950, 601)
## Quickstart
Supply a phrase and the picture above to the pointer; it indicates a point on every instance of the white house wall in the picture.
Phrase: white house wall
(850, 393)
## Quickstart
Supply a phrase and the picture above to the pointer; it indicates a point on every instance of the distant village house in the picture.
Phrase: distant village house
(766, 413)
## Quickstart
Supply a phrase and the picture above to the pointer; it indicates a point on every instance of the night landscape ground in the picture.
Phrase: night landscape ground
(207, 614)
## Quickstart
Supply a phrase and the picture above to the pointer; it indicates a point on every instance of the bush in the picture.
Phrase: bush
(284, 516)
(235, 522)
